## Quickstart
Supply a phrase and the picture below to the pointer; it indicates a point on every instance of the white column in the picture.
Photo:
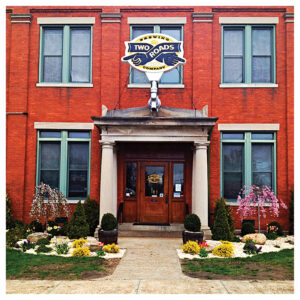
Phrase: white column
(107, 184)
(200, 183)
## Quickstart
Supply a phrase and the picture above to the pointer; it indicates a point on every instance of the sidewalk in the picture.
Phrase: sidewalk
(150, 266)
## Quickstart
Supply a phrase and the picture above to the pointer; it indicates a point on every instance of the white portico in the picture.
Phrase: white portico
(172, 125)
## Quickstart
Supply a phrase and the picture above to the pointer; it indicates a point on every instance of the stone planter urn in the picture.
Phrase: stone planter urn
(108, 233)
(192, 232)
(108, 236)
(192, 236)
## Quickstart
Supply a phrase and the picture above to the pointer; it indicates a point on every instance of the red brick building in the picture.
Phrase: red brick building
(226, 118)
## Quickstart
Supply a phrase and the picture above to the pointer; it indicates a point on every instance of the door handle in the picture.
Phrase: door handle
(167, 199)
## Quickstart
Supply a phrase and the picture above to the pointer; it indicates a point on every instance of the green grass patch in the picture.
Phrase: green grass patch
(262, 266)
(29, 266)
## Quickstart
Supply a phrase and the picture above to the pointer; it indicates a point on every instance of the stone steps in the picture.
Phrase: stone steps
(130, 230)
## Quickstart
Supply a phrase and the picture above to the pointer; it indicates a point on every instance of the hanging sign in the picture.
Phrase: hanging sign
(152, 53)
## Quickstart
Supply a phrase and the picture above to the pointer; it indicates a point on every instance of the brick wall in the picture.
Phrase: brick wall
(201, 77)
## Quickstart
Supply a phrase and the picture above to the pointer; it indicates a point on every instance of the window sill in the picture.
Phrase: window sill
(161, 85)
(75, 85)
(234, 203)
(248, 85)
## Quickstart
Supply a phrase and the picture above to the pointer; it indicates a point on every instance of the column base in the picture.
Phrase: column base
(207, 232)
(96, 236)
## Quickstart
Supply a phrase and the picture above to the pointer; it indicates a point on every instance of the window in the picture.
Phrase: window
(248, 54)
(172, 77)
(65, 54)
(247, 158)
(64, 161)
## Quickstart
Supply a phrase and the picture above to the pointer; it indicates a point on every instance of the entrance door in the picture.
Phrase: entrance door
(154, 192)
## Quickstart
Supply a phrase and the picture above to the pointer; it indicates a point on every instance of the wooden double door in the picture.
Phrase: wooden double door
(155, 189)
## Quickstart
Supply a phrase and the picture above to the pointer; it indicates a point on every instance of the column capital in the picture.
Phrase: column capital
(201, 145)
(107, 144)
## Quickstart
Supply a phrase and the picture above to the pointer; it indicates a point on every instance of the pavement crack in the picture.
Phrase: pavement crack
(224, 287)
(137, 290)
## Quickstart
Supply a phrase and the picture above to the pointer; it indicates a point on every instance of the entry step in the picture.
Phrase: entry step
(130, 230)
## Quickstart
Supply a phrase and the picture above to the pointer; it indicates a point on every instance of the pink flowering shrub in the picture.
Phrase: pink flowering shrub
(48, 203)
(253, 199)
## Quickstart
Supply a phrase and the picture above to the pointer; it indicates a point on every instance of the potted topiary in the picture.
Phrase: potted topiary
(192, 226)
(108, 233)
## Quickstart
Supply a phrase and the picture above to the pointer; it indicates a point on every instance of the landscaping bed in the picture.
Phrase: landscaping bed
(270, 246)
(19, 265)
(264, 266)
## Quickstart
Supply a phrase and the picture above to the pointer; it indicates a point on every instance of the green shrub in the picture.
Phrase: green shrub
(18, 223)
(27, 245)
(235, 239)
(247, 228)
(109, 222)
(228, 214)
(53, 228)
(43, 241)
(192, 223)
(64, 229)
(9, 214)
(13, 235)
(279, 231)
(271, 236)
(291, 216)
(91, 209)
(203, 252)
(36, 226)
(78, 227)
(250, 247)
(43, 249)
(221, 230)
(62, 248)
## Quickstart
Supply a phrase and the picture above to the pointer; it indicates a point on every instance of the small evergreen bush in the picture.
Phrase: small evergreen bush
(18, 223)
(54, 228)
(192, 223)
(43, 249)
(36, 226)
(271, 236)
(279, 231)
(78, 227)
(221, 230)
(13, 235)
(9, 214)
(228, 214)
(291, 216)
(43, 241)
(91, 209)
(247, 228)
(109, 222)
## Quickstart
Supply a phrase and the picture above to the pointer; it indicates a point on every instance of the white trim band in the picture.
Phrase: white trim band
(63, 125)
(64, 20)
(158, 20)
(248, 20)
(74, 85)
(248, 85)
(248, 127)
(160, 85)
